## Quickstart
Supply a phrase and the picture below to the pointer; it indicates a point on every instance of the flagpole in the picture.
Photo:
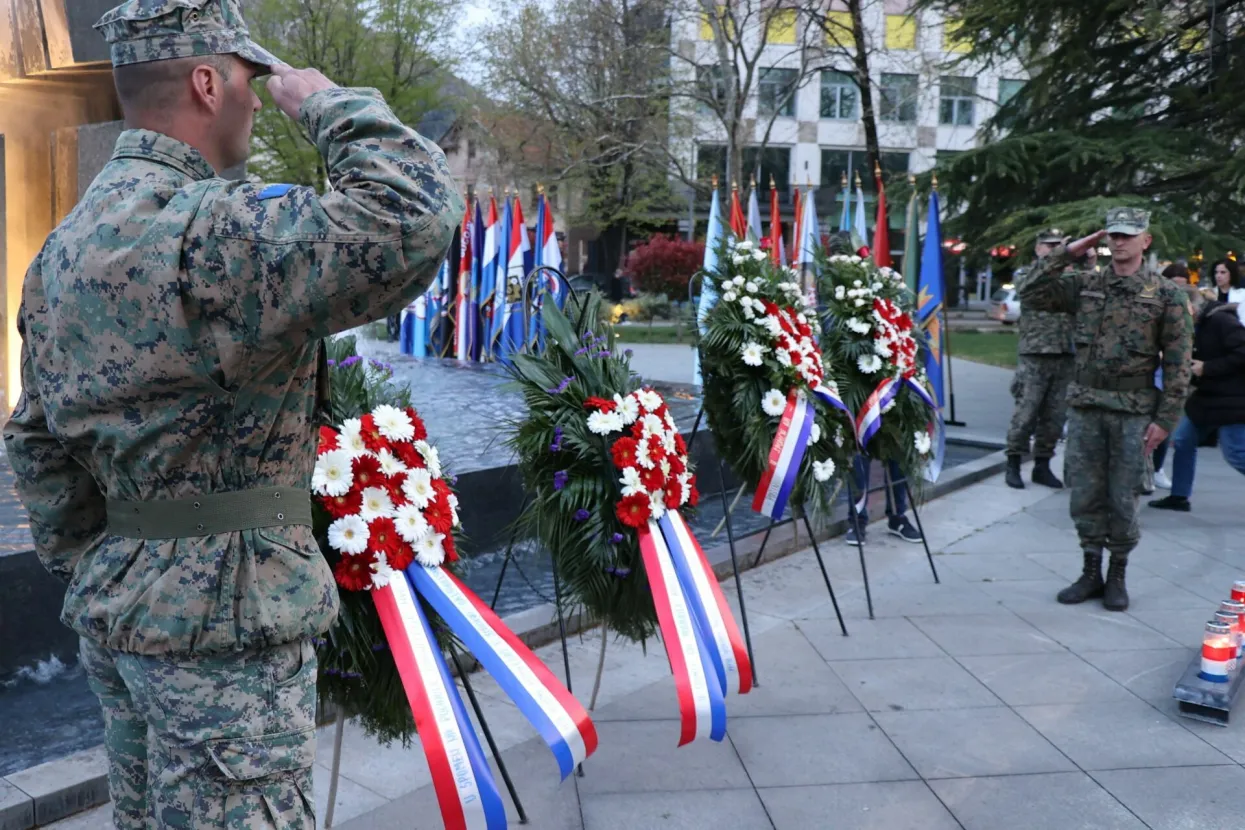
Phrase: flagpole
(946, 349)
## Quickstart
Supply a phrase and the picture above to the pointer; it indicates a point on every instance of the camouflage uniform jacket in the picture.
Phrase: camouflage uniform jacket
(172, 331)
(1044, 332)
(1122, 324)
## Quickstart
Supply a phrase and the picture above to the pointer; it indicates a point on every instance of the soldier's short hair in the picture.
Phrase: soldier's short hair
(158, 86)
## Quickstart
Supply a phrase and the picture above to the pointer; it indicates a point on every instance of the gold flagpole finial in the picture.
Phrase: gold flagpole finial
(911, 180)
(771, 181)
(933, 179)
(735, 186)
(857, 178)
(808, 183)
(843, 179)
(715, 181)
(753, 183)
(877, 169)
(540, 189)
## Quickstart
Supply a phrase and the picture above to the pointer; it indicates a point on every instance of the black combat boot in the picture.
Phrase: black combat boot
(1043, 475)
(1090, 585)
(1115, 597)
(1013, 473)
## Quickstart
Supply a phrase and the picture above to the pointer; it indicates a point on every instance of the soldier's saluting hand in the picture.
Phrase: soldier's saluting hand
(172, 369)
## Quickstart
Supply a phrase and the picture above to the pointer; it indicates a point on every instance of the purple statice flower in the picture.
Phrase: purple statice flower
(560, 478)
(379, 646)
(350, 361)
(628, 353)
(617, 539)
(332, 672)
(561, 387)
(384, 367)
(588, 336)
(582, 351)
(602, 353)
(582, 515)
(621, 573)
(351, 675)
(556, 446)
(332, 363)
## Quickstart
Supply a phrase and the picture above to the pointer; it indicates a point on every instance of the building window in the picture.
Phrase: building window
(1008, 89)
(952, 41)
(471, 149)
(837, 163)
(772, 161)
(839, 30)
(728, 25)
(898, 98)
(780, 27)
(711, 88)
(957, 97)
(900, 32)
(776, 92)
(839, 96)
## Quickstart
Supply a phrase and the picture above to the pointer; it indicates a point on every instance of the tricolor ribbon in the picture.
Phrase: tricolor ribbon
(869, 421)
(700, 585)
(785, 456)
(702, 711)
(543, 700)
(461, 776)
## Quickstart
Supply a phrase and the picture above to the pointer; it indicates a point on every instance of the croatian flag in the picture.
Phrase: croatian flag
(510, 330)
(465, 303)
(547, 254)
(492, 278)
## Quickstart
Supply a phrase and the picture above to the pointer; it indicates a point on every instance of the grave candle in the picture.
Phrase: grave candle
(1218, 649)
(1230, 606)
(1233, 622)
(1238, 590)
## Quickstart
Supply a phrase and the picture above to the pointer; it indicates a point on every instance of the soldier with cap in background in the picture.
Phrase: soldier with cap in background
(173, 372)
(1043, 372)
(1125, 318)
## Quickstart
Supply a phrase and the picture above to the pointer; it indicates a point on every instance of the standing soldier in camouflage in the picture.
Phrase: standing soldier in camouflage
(1125, 318)
(172, 374)
(1043, 372)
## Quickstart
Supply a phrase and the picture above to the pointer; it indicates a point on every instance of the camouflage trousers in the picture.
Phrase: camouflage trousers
(1104, 465)
(222, 742)
(1040, 388)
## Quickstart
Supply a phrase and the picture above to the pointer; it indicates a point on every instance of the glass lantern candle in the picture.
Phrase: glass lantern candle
(1238, 590)
(1218, 650)
(1231, 606)
(1233, 622)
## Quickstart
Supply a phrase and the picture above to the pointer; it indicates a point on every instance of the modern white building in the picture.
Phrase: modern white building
(929, 96)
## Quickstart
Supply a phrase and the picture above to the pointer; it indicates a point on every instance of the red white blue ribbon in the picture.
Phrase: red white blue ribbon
(702, 710)
(708, 604)
(461, 776)
(785, 456)
(869, 421)
(937, 430)
(541, 697)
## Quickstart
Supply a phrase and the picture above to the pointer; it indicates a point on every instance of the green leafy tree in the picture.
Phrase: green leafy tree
(400, 47)
(1133, 102)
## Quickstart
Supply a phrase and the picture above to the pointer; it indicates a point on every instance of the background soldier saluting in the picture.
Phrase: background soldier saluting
(1125, 317)
(171, 369)
(1043, 371)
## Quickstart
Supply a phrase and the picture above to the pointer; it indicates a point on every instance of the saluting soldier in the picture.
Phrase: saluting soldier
(1125, 318)
(1043, 371)
(172, 368)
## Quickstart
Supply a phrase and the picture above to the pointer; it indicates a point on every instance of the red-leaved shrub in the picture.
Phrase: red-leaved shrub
(663, 265)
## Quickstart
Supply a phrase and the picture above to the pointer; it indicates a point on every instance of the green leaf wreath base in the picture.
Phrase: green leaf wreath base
(596, 557)
(732, 390)
(357, 673)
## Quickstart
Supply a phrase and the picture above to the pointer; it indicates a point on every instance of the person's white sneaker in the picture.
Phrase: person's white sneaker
(1161, 480)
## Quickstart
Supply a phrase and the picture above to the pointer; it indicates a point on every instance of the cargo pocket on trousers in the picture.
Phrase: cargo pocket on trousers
(262, 781)
(294, 693)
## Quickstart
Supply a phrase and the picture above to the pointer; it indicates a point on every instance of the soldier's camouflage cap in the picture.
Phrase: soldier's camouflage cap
(1129, 220)
(1050, 236)
(140, 31)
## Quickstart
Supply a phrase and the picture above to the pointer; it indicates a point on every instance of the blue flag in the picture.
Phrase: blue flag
(708, 290)
(929, 309)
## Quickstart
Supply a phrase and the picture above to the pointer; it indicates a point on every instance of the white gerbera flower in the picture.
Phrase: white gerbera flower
(393, 423)
(410, 522)
(876, 287)
(752, 353)
(631, 482)
(382, 574)
(882, 348)
(649, 399)
(656, 504)
(418, 488)
(838, 434)
(749, 314)
(332, 475)
(823, 470)
(869, 363)
(431, 457)
(783, 357)
(839, 291)
(729, 297)
(389, 465)
(772, 325)
(628, 409)
(349, 534)
(453, 500)
(859, 326)
(351, 439)
(774, 403)
(428, 550)
(751, 288)
(922, 440)
(858, 302)
(814, 434)
(376, 504)
(603, 423)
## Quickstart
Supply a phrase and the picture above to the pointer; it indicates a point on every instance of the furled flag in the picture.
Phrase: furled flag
(845, 218)
(478, 234)
(912, 240)
(465, 310)
(860, 229)
(777, 255)
(797, 215)
(708, 290)
(739, 225)
(438, 297)
(754, 215)
(413, 332)
(506, 217)
(881, 226)
(549, 255)
(492, 281)
(511, 338)
(806, 252)
(929, 298)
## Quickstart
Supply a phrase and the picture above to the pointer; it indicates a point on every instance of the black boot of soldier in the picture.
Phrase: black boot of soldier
(1043, 475)
(1116, 596)
(1089, 586)
(1013, 473)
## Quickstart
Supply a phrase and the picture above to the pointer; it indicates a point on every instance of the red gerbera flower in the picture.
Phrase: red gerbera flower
(409, 456)
(366, 472)
(676, 464)
(393, 486)
(441, 489)
(382, 536)
(354, 573)
(637, 430)
(693, 495)
(421, 431)
(656, 451)
(447, 545)
(401, 556)
(599, 403)
(341, 506)
(624, 451)
(674, 496)
(328, 440)
(633, 510)
(805, 331)
(372, 439)
(680, 446)
(653, 480)
(437, 514)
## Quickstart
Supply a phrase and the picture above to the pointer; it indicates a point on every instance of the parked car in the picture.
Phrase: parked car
(1005, 305)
